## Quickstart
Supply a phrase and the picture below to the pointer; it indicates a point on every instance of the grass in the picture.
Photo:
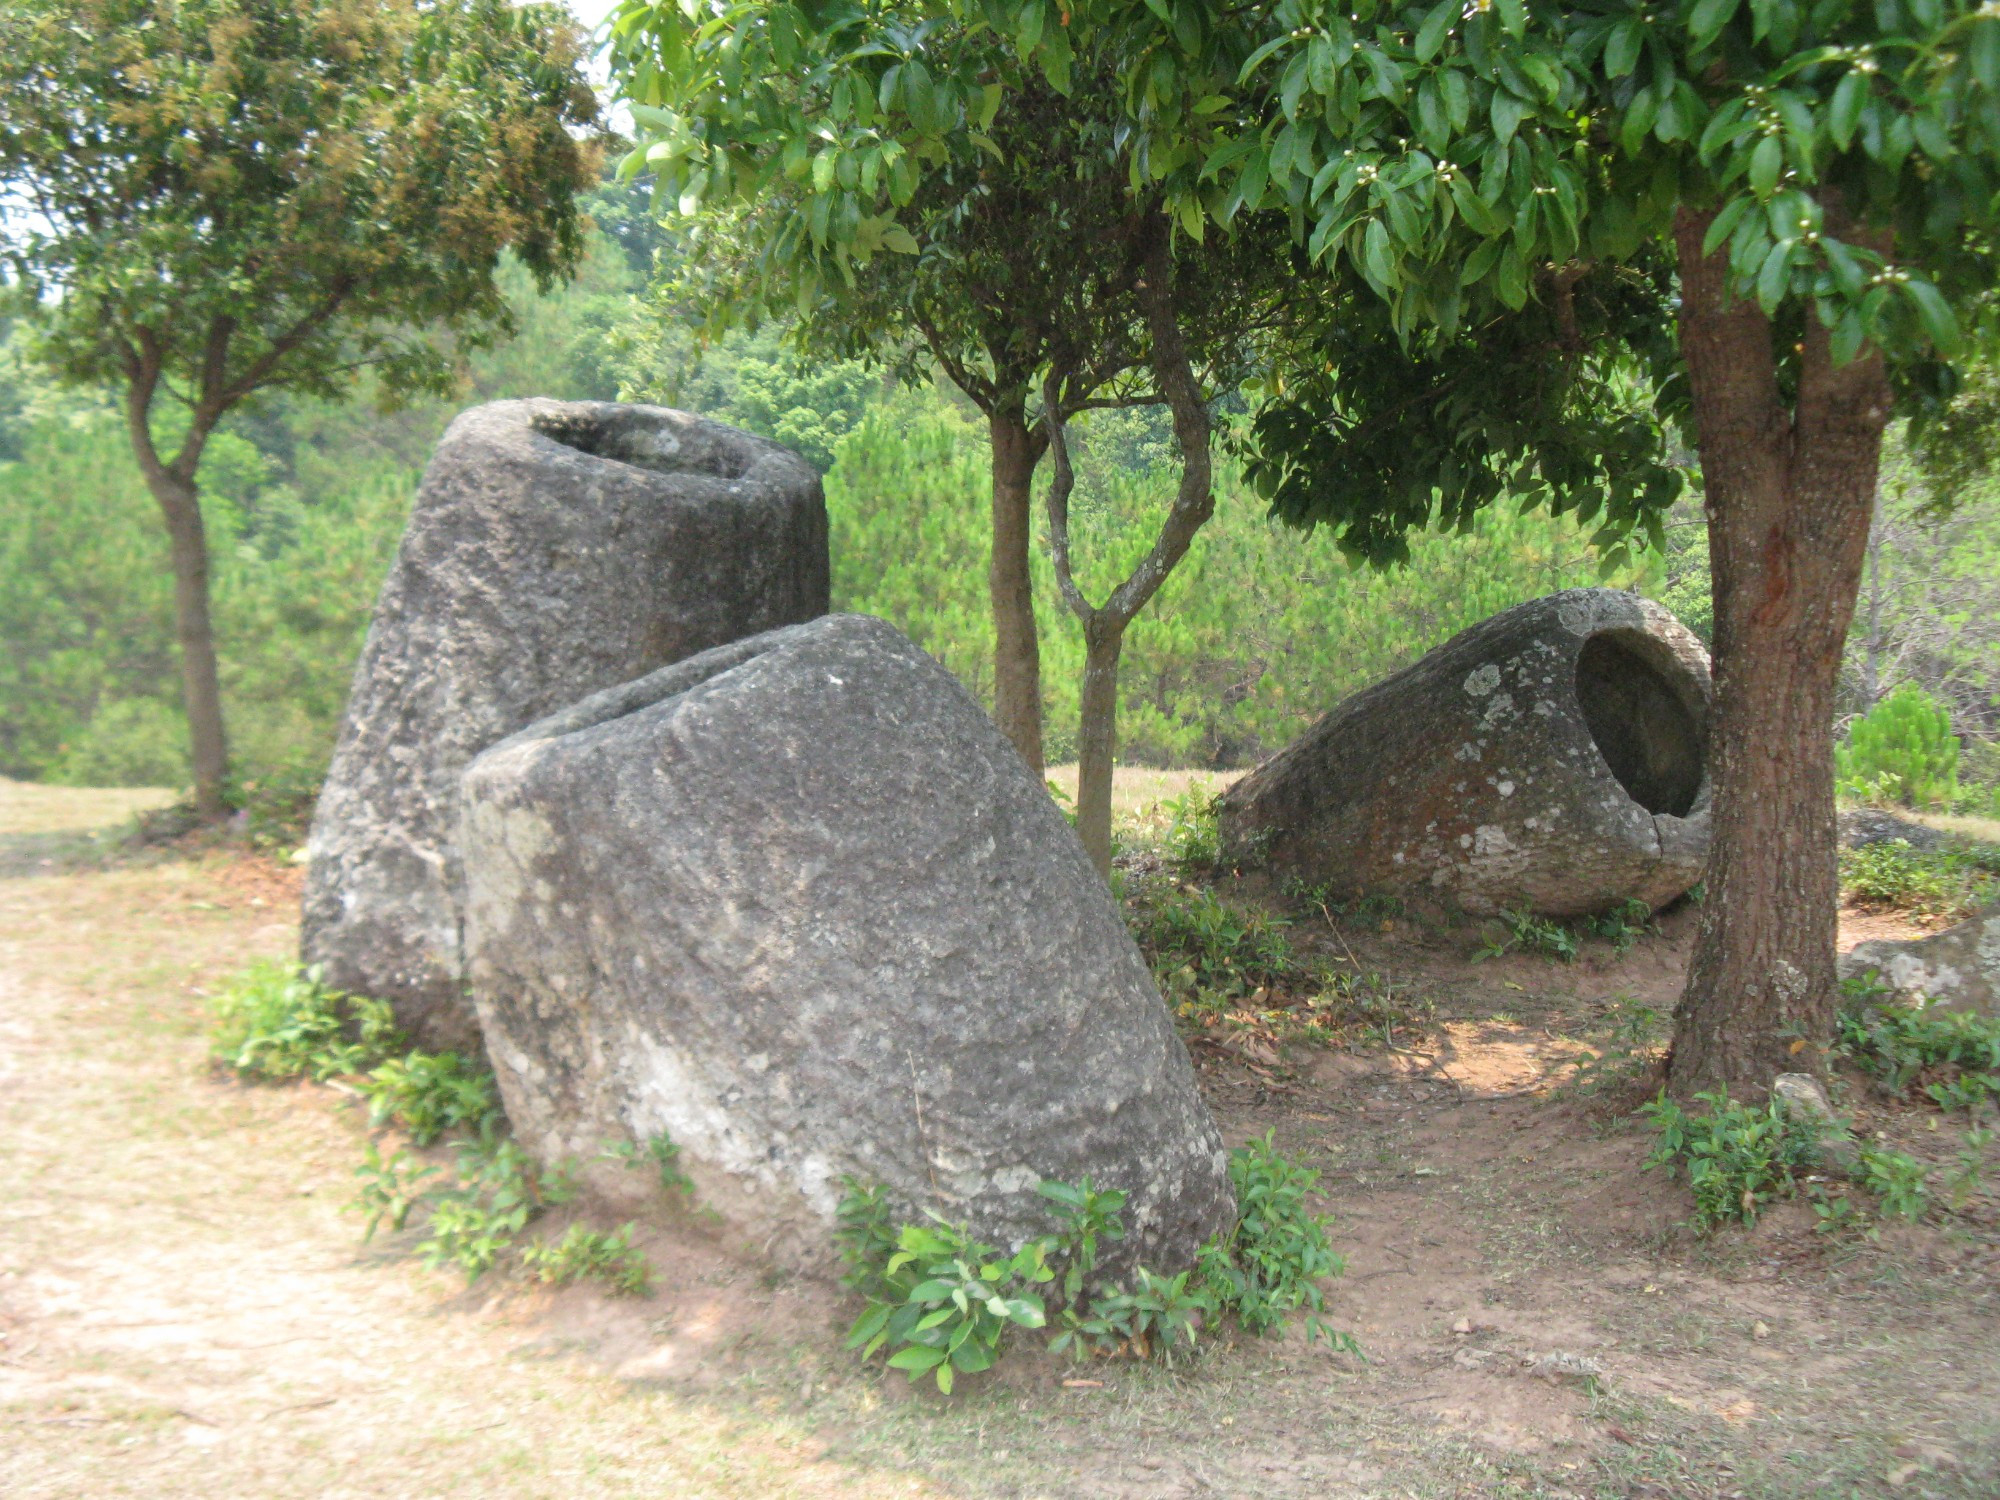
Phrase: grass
(28, 808)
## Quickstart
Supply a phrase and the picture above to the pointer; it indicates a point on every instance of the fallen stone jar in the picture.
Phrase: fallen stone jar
(796, 904)
(1552, 757)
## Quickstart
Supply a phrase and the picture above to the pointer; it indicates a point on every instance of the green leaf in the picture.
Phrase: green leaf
(916, 1358)
(1622, 51)
(1377, 260)
(1507, 112)
(1725, 224)
(1514, 17)
(1766, 162)
(1708, 18)
(1844, 114)
(1775, 277)
(1940, 324)
(1437, 26)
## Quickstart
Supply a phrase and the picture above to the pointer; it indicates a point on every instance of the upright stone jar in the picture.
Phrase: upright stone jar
(1553, 757)
(556, 548)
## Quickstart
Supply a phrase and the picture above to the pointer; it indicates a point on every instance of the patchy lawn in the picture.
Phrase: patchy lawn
(185, 1310)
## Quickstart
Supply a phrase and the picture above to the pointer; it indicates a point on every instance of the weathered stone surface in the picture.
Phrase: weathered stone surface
(1553, 756)
(1958, 968)
(556, 548)
(798, 904)
(1862, 826)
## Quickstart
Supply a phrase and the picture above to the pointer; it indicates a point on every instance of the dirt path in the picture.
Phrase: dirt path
(185, 1311)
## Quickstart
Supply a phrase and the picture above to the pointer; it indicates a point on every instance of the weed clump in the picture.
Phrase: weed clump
(942, 1303)
(1949, 882)
(1953, 1055)
(278, 1022)
(1739, 1157)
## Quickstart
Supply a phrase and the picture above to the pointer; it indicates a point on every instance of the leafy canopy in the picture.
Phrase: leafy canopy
(251, 193)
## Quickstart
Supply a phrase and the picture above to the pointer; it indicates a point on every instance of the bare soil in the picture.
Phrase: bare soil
(185, 1310)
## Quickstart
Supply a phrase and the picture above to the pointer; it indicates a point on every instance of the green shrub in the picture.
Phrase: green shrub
(586, 1254)
(942, 1304)
(279, 1022)
(428, 1093)
(1272, 1260)
(1194, 834)
(1952, 881)
(496, 1193)
(1955, 1053)
(1222, 948)
(1737, 1157)
(1901, 751)
(661, 1151)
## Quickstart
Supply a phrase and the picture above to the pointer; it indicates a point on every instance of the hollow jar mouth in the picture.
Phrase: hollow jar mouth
(647, 439)
(1648, 717)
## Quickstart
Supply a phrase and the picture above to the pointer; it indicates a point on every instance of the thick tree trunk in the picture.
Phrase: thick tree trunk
(1789, 492)
(201, 685)
(1017, 658)
(1097, 738)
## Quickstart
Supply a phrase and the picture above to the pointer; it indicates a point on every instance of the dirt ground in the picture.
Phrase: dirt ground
(185, 1310)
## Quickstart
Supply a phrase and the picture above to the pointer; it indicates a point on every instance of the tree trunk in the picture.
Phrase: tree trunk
(1097, 738)
(201, 685)
(1789, 493)
(1017, 660)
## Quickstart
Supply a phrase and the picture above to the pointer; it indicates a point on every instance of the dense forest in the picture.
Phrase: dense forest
(1261, 630)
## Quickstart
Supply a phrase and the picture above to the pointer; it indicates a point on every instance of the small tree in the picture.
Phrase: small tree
(1901, 751)
(1822, 179)
(213, 198)
(869, 176)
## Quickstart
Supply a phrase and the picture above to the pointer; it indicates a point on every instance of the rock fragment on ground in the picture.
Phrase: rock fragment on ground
(1958, 968)
(556, 548)
(1553, 757)
(798, 905)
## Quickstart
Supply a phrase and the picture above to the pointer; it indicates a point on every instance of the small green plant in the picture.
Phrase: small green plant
(1965, 1180)
(661, 1151)
(1193, 838)
(428, 1093)
(586, 1254)
(1899, 1181)
(1901, 751)
(1087, 1217)
(1058, 794)
(1622, 925)
(279, 1022)
(1629, 1045)
(1737, 1157)
(1215, 946)
(1529, 933)
(1951, 881)
(390, 1189)
(498, 1192)
(1159, 1318)
(1955, 1055)
(942, 1302)
(1273, 1258)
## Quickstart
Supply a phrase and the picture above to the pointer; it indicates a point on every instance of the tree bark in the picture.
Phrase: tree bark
(174, 489)
(1789, 494)
(1017, 660)
(201, 683)
(1194, 502)
(1097, 738)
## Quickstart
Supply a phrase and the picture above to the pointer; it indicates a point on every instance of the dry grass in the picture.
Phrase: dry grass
(1980, 830)
(1134, 788)
(185, 1312)
(27, 808)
